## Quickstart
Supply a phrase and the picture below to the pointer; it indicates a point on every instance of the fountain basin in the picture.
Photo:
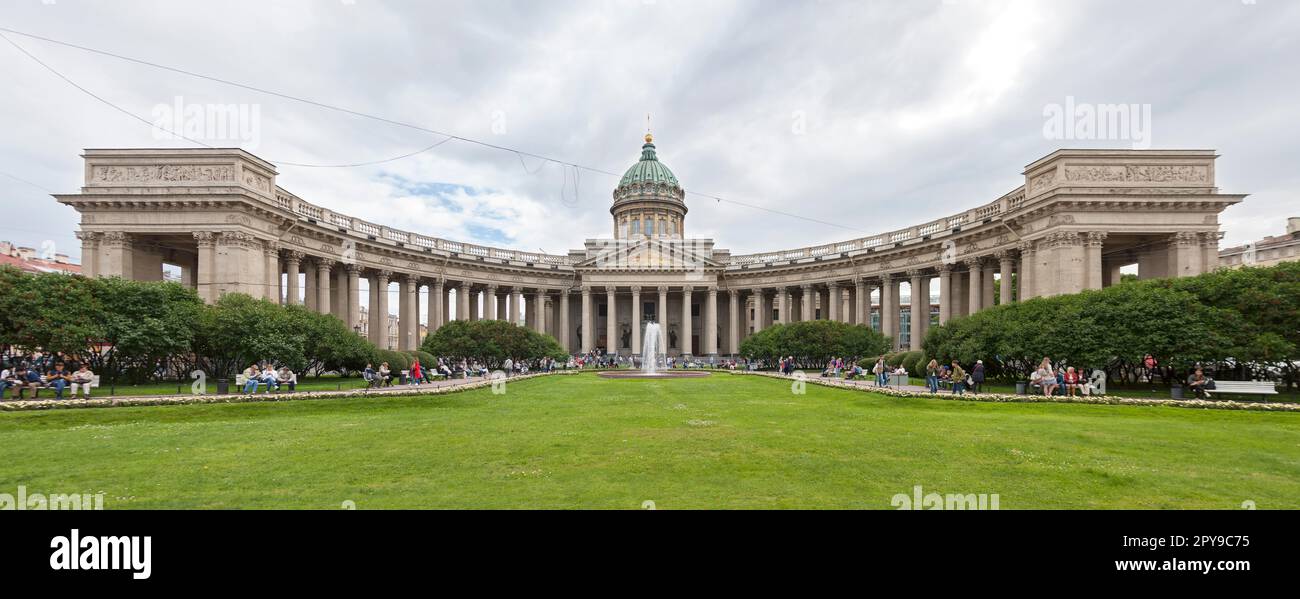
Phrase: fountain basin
(662, 374)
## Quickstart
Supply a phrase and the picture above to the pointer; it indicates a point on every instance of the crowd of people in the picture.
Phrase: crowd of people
(38, 371)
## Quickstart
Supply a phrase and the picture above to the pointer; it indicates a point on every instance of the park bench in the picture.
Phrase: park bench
(1243, 388)
(240, 380)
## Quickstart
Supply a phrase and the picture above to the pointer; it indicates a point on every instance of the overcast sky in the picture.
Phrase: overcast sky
(869, 115)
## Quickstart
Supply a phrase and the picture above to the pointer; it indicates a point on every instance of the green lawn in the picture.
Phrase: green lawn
(583, 442)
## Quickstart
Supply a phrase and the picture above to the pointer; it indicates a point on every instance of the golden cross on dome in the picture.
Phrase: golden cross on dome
(648, 137)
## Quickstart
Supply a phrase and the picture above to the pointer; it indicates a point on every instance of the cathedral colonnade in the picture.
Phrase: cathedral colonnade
(217, 220)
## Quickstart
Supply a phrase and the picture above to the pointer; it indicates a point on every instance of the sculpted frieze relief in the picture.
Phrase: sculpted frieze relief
(1135, 173)
(163, 173)
(1043, 181)
(257, 182)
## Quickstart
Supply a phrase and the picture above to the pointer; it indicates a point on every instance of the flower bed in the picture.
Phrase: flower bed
(177, 400)
(1088, 399)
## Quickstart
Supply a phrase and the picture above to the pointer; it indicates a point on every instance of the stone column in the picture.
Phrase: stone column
(445, 298)
(925, 307)
(1186, 254)
(463, 296)
(564, 320)
(711, 322)
(846, 306)
(611, 320)
(380, 332)
(1026, 271)
(517, 306)
(986, 284)
(491, 306)
(663, 316)
(588, 323)
(1092, 263)
(920, 310)
(976, 286)
(861, 303)
(323, 266)
(687, 293)
(1005, 265)
(807, 301)
(292, 263)
(404, 284)
(354, 296)
(372, 314)
(833, 301)
(339, 293)
(118, 255)
(945, 293)
(1209, 251)
(636, 320)
(271, 253)
(90, 253)
(411, 322)
(782, 306)
(760, 310)
(733, 321)
(206, 243)
(888, 309)
(1071, 263)
(539, 311)
(436, 299)
(310, 290)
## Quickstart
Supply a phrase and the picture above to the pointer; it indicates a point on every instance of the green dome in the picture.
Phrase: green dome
(649, 170)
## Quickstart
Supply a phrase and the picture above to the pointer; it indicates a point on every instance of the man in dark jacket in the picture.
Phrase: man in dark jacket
(977, 377)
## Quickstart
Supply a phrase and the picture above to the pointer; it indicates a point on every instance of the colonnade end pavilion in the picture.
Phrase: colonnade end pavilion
(221, 219)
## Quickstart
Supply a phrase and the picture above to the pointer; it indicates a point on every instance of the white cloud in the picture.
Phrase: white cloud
(907, 111)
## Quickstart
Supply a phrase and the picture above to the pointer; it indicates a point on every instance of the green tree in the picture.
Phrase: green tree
(238, 330)
(813, 343)
(490, 342)
(143, 325)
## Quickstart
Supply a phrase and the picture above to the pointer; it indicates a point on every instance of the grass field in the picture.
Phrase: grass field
(583, 442)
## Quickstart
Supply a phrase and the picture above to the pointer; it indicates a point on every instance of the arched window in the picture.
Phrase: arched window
(635, 229)
(650, 227)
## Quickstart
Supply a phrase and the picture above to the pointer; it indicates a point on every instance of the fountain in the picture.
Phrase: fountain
(653, 358)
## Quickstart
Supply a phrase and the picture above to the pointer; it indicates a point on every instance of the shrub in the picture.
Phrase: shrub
(813, 343)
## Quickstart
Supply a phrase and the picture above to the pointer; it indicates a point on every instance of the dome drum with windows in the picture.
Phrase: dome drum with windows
(649, 202)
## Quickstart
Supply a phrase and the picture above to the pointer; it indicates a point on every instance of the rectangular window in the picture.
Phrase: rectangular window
(695, 309)
(601, 310)
(649, 311)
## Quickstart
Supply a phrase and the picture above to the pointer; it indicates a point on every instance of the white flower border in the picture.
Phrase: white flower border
(1109, 400)
(181, 400)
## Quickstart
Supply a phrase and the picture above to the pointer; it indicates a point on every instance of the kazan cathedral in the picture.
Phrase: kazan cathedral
(221, 219)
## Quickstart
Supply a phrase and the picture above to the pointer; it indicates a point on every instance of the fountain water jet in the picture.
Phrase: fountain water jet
(653, 359)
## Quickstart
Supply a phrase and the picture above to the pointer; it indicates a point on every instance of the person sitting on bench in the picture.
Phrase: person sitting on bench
(58, 379)
(251, 378)
(1200, 384)
(286, 376)
(27, 378)
(82, 379)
